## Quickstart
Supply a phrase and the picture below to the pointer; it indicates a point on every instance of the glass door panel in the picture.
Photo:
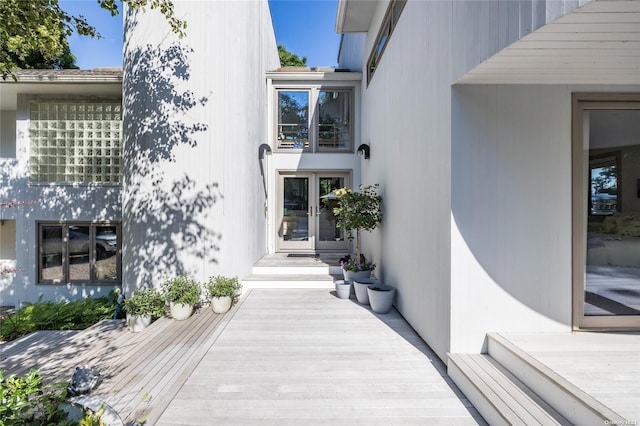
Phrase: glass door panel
(608, 202)
(295, 211)
(305, 212)
(329, 235)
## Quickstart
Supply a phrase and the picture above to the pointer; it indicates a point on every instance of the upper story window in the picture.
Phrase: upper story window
(315, 119)
(386, 29)
(75, 141)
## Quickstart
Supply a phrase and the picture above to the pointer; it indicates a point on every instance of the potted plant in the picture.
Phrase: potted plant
(343, 288)
(182, 293)
(360, 287)
(381, 297)
(142, 307)
(222, 292)
(358, 211)
(355, 271)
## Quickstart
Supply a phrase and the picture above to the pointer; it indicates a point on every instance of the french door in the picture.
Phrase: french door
(305, 219)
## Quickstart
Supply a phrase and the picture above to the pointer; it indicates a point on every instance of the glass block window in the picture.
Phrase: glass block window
(76, 141)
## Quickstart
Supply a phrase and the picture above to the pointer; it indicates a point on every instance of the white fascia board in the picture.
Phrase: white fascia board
(315, 76)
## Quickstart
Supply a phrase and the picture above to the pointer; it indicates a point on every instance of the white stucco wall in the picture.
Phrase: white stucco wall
(48, 202)
(511, 211)
(7, 134)
(194, 201)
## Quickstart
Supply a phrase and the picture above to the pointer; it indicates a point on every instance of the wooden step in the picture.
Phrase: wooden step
(498, 395)
(289, 281)
(573, 403)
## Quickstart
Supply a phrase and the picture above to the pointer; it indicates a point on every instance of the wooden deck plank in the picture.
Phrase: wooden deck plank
(305, 356)
(605, 365)
(155, 361)
(173, 368)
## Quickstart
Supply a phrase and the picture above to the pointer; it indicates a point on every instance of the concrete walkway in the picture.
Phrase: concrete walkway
(300, 357)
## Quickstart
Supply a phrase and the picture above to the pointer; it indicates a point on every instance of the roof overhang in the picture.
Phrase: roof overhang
(314, 76)
(598, 43)
(106, 83)
(354, 16)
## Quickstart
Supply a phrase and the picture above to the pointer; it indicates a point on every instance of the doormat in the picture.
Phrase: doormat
(303, 255)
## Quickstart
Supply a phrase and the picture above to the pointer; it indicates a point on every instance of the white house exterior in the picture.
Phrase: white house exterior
(60, 148)
(492, 127)
(469, 117)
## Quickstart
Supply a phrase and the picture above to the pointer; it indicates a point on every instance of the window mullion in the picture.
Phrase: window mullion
(92, 253)
(313, 117)
(65, 254)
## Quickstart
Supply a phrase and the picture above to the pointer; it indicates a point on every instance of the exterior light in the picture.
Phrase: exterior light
(365, 150)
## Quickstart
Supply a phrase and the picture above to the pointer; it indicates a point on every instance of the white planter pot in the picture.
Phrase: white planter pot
(381, 299)
(343, 288)
(220, 305)
(354, 276)
(180, 311)
(136, 323)
(360, 286)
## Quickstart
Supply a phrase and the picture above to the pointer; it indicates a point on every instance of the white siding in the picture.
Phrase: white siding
(198, 208)
(476, 180)
(352, 54)
(406, 121)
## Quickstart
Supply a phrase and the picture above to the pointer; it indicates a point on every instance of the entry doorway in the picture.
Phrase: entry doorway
(606, 211)
(305, 219)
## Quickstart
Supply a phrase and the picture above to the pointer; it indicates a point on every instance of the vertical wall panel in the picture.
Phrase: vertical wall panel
(195, 114)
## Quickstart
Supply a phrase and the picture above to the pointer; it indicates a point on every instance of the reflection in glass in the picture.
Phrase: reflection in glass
(293, 119)
(295, 221)
(106, 250)
(328, 230)
(334, 128)
(612, 258)
(51, 253)
(79, 243)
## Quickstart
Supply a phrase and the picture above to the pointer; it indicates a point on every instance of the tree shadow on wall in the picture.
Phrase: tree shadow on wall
(166, 226)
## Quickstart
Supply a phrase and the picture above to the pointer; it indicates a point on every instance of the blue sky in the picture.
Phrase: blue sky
(305, 27)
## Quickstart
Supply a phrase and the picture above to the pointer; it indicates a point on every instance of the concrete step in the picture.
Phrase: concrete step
(289, 281)
(498, 395)
(320, 269)
(571, 402)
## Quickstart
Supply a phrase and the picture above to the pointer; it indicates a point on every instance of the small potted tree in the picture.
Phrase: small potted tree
(142, 307)
(222, 292)
(183, 294)
(358, 211)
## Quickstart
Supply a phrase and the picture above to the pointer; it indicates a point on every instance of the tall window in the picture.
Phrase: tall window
(75, 141)
(293, 119)
(78, 252)
(386, 29)
(315, 119)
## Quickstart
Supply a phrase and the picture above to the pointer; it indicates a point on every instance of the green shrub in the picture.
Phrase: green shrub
(27, 401)
(146, 301)
(181, 290)
(220, 286)
(76, 315)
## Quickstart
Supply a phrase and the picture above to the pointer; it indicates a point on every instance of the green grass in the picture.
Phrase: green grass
(76, 315)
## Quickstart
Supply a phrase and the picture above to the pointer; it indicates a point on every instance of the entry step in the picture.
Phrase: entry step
(289, 281)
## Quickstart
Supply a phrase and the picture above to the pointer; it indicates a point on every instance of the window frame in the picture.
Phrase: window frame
(65, 254)
(388, 25)
(314, 119)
